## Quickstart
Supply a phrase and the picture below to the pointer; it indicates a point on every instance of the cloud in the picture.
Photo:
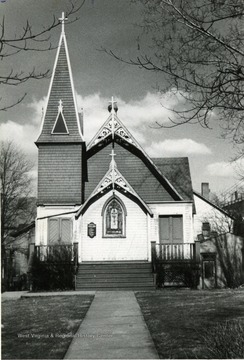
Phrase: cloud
(177, 146)
(23, 135)
(38, 106)
(226, 169)
(136, 115)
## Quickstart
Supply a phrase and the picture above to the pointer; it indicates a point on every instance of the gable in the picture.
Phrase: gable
(139, 176)
(113, 181)
(177, 171)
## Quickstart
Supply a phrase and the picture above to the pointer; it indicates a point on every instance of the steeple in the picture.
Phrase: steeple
(61, 148)
(61, 91)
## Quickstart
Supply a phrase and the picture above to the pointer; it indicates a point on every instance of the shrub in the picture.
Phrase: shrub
(225, 341)
(57, 273)
(185, 274)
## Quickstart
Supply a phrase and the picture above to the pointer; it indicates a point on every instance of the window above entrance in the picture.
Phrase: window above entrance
(114, 218)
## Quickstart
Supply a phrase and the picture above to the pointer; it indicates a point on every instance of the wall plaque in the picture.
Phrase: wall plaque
(91, 230)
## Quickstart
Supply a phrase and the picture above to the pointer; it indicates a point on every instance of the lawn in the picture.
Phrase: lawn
(41, 327)
(179, 320)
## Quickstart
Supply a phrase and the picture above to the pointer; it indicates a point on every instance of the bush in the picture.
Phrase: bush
(53, 274)
(225, 341)
(185, 274)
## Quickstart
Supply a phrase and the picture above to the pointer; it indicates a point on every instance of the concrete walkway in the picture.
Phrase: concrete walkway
(113, 328)
(56, 293)
(12, 295)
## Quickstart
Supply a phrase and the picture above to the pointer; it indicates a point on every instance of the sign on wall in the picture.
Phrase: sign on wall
(91, 230)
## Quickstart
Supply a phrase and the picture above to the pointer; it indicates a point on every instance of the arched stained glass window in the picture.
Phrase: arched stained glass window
(114, 218)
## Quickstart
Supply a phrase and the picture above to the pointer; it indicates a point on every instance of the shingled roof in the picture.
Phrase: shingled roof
(177, 171)
(61, 90)
(140, 177)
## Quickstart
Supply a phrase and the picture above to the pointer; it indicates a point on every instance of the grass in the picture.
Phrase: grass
(225, 340)
(178, 320)
(41, 327)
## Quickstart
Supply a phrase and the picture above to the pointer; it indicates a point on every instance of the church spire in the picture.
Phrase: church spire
(61, 90)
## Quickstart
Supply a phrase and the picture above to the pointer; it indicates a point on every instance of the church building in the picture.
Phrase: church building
(108, 196)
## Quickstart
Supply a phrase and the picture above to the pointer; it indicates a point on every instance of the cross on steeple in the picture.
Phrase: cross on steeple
(112, 155)
(112, 166)
(60, 106)
(62, 20)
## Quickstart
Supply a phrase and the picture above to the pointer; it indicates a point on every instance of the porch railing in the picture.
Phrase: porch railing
(58, 253)
(175, 252)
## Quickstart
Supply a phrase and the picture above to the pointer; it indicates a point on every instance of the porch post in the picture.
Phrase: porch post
(76, 254)
(153, 256)
(197, 251)
(29, 274)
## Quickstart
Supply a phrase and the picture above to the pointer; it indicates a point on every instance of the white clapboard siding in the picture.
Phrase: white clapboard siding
(134, 246)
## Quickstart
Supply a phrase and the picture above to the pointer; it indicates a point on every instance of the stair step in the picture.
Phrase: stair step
(117, 289)
(115, 285)
(115, 281)
(112, 277)
(108, 272)
(115, 276)
(118, 267)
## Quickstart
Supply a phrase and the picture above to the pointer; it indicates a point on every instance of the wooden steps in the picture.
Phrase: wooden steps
(115, 276)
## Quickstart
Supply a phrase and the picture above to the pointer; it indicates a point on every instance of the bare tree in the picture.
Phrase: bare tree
(229, 250)
(198, 48)
(15, 188)
(29, 39)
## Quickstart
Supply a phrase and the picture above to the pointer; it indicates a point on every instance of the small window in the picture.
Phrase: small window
(59, 231)
(60, 126)
(114, 219)
(206, 229)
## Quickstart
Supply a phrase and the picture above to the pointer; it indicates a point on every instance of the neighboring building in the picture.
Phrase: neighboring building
(209, 216)
(221, 252)
(235, 203)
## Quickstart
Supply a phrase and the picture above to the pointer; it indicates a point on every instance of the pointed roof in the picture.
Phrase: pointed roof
(113, 130)
(114, 180)
(61, 89)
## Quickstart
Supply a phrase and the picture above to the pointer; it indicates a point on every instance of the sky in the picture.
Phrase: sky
(110, 24)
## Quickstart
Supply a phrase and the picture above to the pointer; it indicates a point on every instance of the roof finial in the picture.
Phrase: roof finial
(62, 20)
(113, 108)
